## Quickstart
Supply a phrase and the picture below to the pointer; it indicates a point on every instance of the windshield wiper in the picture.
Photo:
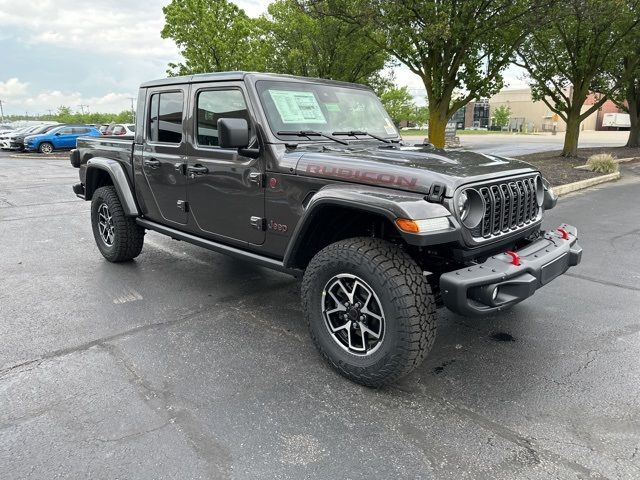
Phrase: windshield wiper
(355, 133)
(312, 133)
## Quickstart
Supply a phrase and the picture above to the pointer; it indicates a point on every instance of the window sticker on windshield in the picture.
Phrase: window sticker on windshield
(297, 107)
(332, 107)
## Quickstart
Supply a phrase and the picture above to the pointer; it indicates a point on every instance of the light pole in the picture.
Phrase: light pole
(1, 112)
(133, 112)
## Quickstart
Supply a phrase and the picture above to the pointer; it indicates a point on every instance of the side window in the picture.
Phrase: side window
(65, 131)
(170, 118)
(213, 105)
(165, 117)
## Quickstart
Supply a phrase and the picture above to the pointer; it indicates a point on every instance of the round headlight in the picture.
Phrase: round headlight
(470, 207)
(462, 204)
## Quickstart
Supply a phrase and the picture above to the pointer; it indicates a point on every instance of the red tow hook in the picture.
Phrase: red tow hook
(564, 233)
(515, 258)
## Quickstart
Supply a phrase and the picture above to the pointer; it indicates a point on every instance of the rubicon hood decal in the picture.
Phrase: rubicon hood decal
(366, 176)
(412, 168)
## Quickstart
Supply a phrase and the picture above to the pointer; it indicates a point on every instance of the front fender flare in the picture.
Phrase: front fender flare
(391, 204)
(119, 179)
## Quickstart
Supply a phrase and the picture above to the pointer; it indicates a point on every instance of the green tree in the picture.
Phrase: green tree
(501, 116)
(629, 98)
(212, 35)
(455, 45)
(573, 56)
(398, 102)
(627, 75)
(305, 40)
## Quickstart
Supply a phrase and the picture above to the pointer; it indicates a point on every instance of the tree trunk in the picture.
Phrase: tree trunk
(437, 125)
(570, 148)
(634, 116)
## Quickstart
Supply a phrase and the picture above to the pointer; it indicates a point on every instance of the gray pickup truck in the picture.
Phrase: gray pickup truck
(311, 178)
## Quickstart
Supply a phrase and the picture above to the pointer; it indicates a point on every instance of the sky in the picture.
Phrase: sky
(95, 55)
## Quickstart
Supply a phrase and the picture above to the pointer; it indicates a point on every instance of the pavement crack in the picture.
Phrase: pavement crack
(133, 435)
(215, 454)
(534, 451)
(591, 357)
(602, 282)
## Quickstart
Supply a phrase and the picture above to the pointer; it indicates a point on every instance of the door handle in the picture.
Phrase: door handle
(152, 163)
(197, 169)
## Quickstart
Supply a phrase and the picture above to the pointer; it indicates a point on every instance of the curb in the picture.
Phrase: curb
(589, 182)
(38, 157)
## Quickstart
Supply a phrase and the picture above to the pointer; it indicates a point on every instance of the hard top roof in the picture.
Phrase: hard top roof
(239, 76)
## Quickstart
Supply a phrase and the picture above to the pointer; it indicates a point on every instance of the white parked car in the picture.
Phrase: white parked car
(6, 138)
(128, 129)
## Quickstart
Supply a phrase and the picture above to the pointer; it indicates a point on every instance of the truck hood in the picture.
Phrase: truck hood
(410, 168)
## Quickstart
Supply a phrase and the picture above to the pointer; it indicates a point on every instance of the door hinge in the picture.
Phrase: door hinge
(257, 178)
(258, 223)
(183, 205)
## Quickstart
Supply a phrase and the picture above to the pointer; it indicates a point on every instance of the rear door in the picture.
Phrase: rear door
(226, 194)
(163, 155)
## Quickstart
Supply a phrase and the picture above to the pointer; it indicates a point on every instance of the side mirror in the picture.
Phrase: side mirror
(233, 133)
(57, 134)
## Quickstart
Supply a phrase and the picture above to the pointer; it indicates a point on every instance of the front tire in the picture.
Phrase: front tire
(46, 148)
(370, 310)
(118, 237)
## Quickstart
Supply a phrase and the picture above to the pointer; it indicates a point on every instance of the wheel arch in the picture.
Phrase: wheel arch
(337, 212)
(104, 171)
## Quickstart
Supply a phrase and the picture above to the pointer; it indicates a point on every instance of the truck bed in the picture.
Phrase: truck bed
(114, 148)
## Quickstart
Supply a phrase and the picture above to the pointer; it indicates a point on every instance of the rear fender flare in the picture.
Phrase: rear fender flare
(119, 180)
(390, 204)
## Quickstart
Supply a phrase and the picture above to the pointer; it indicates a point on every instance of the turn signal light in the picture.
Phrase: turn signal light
(423, 226)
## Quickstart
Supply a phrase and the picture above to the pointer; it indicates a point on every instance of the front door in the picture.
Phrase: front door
(64, 138)
(163, 157)
(226, 194)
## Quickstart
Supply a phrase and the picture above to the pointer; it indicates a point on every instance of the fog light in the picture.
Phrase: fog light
(494, 295)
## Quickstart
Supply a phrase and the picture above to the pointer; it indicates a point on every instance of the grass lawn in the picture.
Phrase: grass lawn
(419, 133)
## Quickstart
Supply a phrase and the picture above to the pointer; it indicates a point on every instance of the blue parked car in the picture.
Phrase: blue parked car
(60, 138)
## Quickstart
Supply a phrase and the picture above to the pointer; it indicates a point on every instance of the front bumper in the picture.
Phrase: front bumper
(499, 283)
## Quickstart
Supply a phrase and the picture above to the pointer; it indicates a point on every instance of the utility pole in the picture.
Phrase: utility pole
(133, 112)
(82, 108)
(1, 112)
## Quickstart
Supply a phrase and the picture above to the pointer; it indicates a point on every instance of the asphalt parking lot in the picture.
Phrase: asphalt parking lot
(188, 364)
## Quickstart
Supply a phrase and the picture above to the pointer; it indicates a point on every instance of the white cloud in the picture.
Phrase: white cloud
(131, 29)
(12, 88)
(18, 99)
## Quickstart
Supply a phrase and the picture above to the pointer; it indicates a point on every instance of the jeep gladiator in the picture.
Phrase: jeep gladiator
(310, 177)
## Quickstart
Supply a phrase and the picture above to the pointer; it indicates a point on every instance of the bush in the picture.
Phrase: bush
(602, 163)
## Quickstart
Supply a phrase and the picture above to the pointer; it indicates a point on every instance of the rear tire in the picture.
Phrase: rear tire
(46, 148)
(380, 292)
(118, 237)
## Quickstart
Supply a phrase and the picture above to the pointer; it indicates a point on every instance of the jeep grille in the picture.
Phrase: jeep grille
(508, 206)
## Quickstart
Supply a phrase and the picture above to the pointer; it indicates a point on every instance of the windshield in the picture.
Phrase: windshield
(42, 129)
(297, 107)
